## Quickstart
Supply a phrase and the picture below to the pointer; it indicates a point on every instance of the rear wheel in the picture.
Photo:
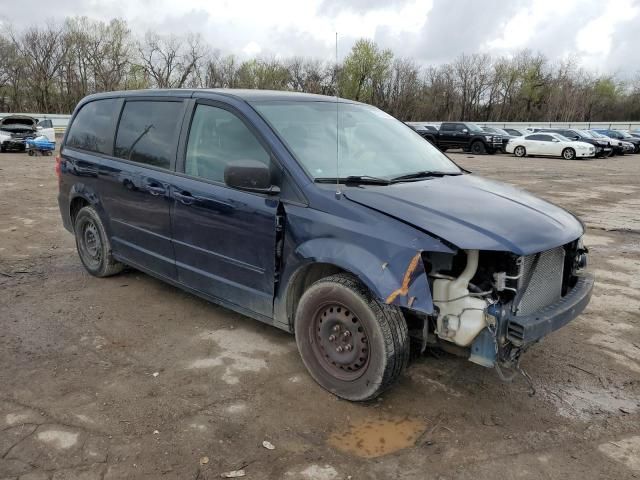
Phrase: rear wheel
(478, 148)
(353, 345)
(569, 154)
(93, 244)
(520, 151)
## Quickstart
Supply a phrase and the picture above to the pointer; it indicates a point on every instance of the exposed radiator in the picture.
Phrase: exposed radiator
(544, 279)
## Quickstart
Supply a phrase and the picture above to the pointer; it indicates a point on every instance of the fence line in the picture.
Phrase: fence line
(61, 121)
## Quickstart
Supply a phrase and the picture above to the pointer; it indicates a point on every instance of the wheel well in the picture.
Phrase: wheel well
(302, 280)
(76, 204)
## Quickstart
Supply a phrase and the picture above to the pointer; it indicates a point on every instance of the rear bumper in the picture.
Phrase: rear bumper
(531, 328)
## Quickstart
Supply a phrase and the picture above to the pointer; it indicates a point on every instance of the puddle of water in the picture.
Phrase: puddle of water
(373, 438)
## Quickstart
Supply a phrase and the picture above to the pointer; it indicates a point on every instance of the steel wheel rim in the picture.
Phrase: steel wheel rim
(339, 342)
(90, 243)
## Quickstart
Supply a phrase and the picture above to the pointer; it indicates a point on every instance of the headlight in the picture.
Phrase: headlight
(488, 138)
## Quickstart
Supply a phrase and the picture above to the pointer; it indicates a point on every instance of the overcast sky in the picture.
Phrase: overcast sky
(604, 33)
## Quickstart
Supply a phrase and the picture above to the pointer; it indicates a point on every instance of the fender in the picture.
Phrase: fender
(81, 190)
(395, 275)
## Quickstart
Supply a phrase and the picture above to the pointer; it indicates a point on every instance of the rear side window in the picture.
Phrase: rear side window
(449, 127)
(148, 132)
(216, 138)
(92, 128)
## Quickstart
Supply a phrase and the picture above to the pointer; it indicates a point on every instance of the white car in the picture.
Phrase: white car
(549, 144)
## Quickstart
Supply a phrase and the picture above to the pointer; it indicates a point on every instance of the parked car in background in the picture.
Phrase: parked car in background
(618, 135)
(423, 130)
(550, 145)
(619, 147)
(467, 136)
(15, 130)
(231, 195)
(516, 132)
(502, 133)
(602, 146)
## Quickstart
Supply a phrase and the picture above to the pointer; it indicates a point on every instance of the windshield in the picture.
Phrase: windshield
(473, 127)
(597, 134)
(371, 143)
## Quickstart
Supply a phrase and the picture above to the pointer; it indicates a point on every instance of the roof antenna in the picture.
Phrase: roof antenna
(338, 192)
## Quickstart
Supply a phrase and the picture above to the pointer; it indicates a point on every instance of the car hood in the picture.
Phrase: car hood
(474, 213)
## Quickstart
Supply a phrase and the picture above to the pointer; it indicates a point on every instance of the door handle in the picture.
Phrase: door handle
(155, 190)
(184, 197)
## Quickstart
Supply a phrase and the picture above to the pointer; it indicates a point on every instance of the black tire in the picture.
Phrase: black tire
(520, 151)
(93, 245)
(569, 154)
(377, 334)
(478, 148)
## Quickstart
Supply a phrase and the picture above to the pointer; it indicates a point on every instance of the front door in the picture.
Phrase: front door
(224, 239)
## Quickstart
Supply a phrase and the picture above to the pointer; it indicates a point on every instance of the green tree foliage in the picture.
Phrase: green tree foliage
(49, 68)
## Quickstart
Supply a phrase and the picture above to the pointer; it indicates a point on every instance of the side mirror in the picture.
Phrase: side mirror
(250, 175)
(464, 130)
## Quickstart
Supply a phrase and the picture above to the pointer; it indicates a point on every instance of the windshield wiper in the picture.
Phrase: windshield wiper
(355, 180)
(422, 174)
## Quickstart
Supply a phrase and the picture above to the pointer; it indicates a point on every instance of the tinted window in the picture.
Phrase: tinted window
(535, 137)
(448, 127)
(460, 127)
(545, 138)
(216, 138)
(148, 132)
(92, 128)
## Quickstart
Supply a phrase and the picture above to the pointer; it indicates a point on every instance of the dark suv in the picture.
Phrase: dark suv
(467, 136)
(331, 220)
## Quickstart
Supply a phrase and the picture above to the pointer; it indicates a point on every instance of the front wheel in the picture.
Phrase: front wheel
(520, 151)
(478, 148)
(93, 244)
(569, 154)
(353, 345)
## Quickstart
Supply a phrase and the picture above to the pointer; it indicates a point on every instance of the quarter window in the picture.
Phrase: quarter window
(93, 126)
(217, 137)
(148, 132)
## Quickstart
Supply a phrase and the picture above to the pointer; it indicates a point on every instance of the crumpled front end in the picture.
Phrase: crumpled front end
(494, 305)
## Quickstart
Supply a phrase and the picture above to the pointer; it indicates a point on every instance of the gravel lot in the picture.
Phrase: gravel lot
(127, 377)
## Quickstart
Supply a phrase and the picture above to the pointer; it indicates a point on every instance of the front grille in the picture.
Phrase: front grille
(541, 279)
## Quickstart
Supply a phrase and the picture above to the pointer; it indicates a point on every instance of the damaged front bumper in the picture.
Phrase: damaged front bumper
(513, 334)
(527, 329)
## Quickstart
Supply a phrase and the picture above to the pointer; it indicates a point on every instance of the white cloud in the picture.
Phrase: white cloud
(427, 30)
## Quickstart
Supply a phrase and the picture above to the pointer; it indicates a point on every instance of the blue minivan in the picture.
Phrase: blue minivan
(324, 217)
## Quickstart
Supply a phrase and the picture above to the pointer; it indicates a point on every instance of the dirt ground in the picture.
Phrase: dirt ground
(127, 377)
